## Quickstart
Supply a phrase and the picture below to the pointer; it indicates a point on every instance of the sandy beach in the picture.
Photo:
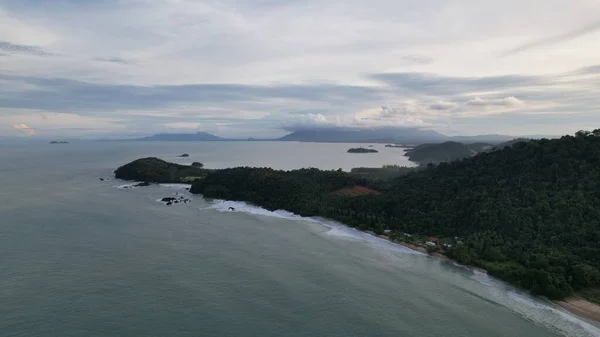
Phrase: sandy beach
(582, 308)
(576, 305)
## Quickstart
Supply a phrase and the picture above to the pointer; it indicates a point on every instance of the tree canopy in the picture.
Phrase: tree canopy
(529, 214)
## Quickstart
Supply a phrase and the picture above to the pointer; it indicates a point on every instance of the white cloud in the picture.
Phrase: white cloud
(508, 102)
(183, 125)
(148, 44)
(442, 105)
(26, 130)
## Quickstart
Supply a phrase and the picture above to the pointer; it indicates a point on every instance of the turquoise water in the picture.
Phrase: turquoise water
(82, 257)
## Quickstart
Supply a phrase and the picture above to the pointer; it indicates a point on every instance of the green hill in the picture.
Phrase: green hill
(445, 152)
(529, 214)
(154, 170)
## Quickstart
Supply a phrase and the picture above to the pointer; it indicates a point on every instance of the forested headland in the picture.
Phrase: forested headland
(529, 214)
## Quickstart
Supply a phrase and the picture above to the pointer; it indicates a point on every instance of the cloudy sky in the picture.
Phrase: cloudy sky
(97, 68)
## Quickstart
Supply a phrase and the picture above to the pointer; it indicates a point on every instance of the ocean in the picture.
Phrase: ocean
(85, 257)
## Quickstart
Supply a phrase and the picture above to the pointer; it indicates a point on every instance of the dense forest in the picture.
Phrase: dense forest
(445, 152)
(362, 150)
(154, 170)
(529, 214)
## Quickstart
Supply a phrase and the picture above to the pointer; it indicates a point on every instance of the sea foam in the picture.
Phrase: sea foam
(334, 228)
(545, 314)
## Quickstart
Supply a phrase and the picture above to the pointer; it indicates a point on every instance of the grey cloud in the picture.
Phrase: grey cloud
(12, 48)
(115, 60)
(417, 59)
(506, 102)
(442, 106)
(590, 70)
(62, 94)
(555, 39)
(413, 98)
(430, 84)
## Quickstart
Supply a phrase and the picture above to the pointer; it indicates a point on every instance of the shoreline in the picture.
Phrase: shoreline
(579, 307)
(420, 249)
(582, 308)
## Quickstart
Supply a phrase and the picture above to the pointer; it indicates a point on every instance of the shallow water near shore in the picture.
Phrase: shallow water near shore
(83, 257)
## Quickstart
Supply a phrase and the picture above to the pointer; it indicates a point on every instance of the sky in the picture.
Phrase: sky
(264, 68)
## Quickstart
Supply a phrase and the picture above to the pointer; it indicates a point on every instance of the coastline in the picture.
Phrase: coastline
(424, 251)
(576, 306)
(582, 308)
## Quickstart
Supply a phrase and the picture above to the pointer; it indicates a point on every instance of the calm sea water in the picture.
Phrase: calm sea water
(81, 257)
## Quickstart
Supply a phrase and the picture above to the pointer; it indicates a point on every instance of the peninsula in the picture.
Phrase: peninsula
(528, 214)
(154, 170)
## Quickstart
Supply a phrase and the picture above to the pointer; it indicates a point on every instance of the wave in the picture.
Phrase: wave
(173, 186)
(535, 309)
(129, 185)
(334, 228)
(524, 305)
(550, 315)
(176, 186)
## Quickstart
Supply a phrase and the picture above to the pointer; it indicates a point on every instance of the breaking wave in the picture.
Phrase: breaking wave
(334, 228)
(528, 307)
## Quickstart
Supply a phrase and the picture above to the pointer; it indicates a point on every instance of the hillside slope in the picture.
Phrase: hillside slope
(529, 214)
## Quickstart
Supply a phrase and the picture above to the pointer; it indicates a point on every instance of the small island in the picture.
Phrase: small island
(197, 164)
(394, 145)
(362, 150)
(185, 155)
(59, 142)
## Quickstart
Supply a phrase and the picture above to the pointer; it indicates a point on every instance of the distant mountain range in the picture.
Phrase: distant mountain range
(436, 153)
(406, 136)
(183, 137)
(379, 135)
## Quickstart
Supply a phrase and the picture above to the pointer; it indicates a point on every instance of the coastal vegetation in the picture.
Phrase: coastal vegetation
(529, 214)
(154, 170)
(362, 150)
(445, 152)
(385, 173)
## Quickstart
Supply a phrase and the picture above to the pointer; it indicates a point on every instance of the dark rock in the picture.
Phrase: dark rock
(231, 209)
(101, 179)
(167, 199)
(169, 203)
(145, 183)
(185, 155)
